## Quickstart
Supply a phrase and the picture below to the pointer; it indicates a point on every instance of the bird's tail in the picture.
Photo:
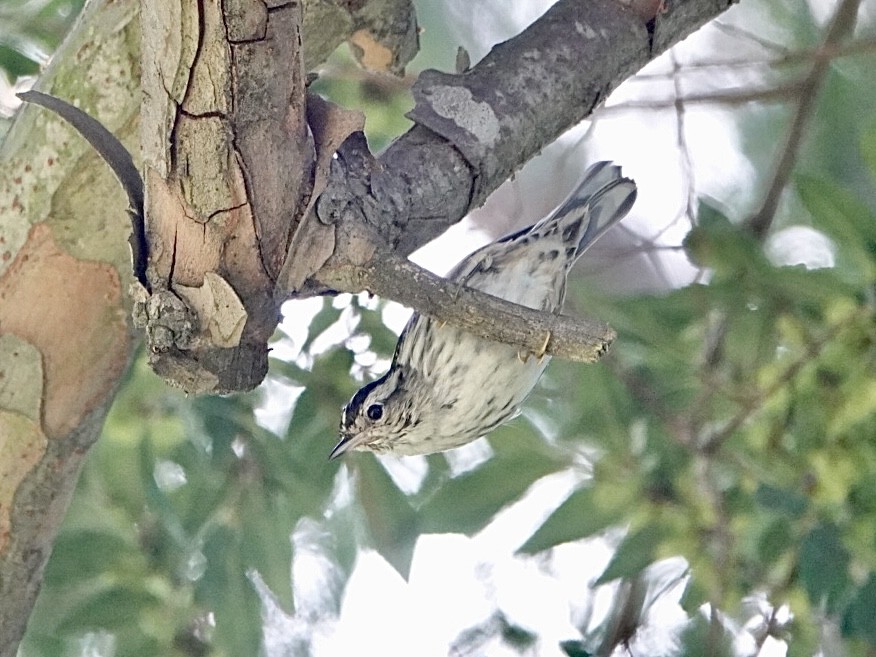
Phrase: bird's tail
(602, 198)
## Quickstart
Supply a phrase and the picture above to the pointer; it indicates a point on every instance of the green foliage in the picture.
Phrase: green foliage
(488, 488)
(382, 98)
(634, 554)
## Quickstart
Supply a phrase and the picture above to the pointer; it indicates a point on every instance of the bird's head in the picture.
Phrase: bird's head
(376, 417)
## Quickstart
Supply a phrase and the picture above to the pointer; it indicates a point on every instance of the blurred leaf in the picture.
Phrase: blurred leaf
(469, 501)
(288, 370)
(694, 597)
(266, 523)
(868, 148)
(574, 648)
(706, 636)
(774, 541)
(786, 502)
(585, 512)
(302, 467)
(860, 616)
(110, 609)
(39, 643)
(16, 63)
(392, 523)
(86, 553)
(862, 496)
(823, 567)
(717, 243)
(517, 637)
(320, 322)
(225, 591)
(635, 553)
(847, 220)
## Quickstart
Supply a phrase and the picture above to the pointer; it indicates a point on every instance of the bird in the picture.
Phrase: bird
(446, 387)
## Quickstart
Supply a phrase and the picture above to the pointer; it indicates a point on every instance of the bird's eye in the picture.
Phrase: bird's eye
(374, 412)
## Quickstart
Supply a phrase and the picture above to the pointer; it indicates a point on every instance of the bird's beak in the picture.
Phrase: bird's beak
(347, 444)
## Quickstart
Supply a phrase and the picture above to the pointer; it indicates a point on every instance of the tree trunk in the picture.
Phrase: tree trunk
(65, 337)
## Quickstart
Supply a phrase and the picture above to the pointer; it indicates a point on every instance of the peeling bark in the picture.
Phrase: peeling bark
(228, 160)
(65, 341)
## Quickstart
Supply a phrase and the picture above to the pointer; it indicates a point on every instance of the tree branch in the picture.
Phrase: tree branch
(476, 128)
(394, 277)
(473, 131)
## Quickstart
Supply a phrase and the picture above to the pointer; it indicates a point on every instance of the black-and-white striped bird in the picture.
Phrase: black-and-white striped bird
(447, 387)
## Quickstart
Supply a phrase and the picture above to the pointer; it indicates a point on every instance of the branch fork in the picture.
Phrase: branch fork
(256, 192)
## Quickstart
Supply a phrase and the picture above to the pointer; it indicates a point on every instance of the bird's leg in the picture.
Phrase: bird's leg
(523, 356)
(483, 264)
(543, 351)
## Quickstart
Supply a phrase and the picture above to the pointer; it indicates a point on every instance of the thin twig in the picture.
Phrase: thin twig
(829, 52)
(759, 399)
(394, 277)
(730, 98)
(759, 224)
(741, 33)
(841, 26)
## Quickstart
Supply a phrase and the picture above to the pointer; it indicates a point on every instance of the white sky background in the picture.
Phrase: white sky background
(457, 582)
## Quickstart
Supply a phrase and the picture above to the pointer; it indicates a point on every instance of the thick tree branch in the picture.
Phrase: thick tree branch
(475, 129)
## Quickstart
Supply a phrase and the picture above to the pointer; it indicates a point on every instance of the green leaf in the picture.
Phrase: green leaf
(847, 220)
(585, 512)
(823, 565)
(694, 596)
(860, 616)
(320, 322)
(383, 341)
(225, 590)
(468, 502)
(110, 609)
(634, 554)
(266, 526)
(786, 502)
(862, 496)
(85, 553)
(706, 636)
(299, 463)
(868, 148)
(718, 243)
(39, 642)
(574, 648)
(391, 521)
(774, 541)
(288, 370)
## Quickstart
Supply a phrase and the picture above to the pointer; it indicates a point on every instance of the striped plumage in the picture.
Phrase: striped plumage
(447, 387)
